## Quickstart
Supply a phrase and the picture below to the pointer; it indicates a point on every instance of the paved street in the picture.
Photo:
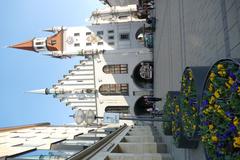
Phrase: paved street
(191, 33)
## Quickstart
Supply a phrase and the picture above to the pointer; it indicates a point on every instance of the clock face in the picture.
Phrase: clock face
(69, 40)
(93, 39)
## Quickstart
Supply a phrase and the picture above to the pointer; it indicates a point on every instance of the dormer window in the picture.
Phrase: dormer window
(53, 42)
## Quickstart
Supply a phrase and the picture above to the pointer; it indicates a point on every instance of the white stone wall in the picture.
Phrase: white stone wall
(82, 38)
(122, 2)
(115, 14)
(130, 57)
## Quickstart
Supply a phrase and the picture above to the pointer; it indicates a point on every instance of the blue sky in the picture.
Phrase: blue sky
(23, 70)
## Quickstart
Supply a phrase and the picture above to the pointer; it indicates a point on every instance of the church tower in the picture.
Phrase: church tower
(52, 44)
(117, 71)
(86, 40)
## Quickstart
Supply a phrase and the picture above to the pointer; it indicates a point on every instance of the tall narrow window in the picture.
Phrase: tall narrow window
(117, 109)
(88, 33)
(76, 34)
(124, 36)
(114, 89)
(111, 31)
(40, 47)
(99, 33)
(111, 43)
(115, 69)
(88, 44)
(110, 37)
(53, 42)
(77, 44)
(39, 43)
(100, 43)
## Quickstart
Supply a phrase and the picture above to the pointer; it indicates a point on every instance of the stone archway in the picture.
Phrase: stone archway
(140, 107)
(143, 75)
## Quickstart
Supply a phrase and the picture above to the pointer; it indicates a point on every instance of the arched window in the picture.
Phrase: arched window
(114, 89)
(115, 69)
(117, 109)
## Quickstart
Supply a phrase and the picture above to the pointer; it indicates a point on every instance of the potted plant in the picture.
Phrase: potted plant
(220, 111)
(177, 129)
(167, 112)
(193, 79)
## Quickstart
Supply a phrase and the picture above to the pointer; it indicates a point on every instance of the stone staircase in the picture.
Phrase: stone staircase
(141, 143)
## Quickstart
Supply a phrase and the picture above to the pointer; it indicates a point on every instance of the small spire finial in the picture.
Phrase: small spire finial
(27, 45)
(38, 91)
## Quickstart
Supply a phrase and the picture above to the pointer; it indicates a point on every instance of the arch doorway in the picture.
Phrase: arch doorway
(140, 107)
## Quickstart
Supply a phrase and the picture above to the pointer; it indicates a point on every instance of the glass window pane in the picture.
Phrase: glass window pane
(46, 154)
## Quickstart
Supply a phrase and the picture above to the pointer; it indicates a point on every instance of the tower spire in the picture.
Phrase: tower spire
(27, 45)
(52, 43)
(38, 91)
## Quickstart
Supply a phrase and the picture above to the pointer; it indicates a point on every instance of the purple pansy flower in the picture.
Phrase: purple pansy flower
(231, 74)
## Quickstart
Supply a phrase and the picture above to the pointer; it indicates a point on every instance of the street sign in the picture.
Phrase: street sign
(111, 118)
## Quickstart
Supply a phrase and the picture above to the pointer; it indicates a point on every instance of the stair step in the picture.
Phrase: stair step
(140, 148)
(142, 156)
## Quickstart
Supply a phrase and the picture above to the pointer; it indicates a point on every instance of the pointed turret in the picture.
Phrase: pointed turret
(56, 91)
(39, 91)
(53, 44)
(27, 45)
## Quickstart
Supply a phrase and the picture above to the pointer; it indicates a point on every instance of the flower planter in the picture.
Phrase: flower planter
(191, 90)
(220, 111)
(177, 129)
(168, 110)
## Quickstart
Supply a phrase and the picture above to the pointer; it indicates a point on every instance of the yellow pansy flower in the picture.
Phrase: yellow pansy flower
(214, 138)
(220, 66)
(205, 112)
(221, 112)
(210, 126)
(236, 143)
(235, 121)
(231, 81)
(222, 73)
(190, 76)
(210, 107)
(210, 87)
(227, 85)
(212, 76)
(177, 108)
(217, 93)
(238, 91)
(212, 100)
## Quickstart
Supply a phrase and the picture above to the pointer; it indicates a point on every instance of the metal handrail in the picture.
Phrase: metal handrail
(92, 150)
